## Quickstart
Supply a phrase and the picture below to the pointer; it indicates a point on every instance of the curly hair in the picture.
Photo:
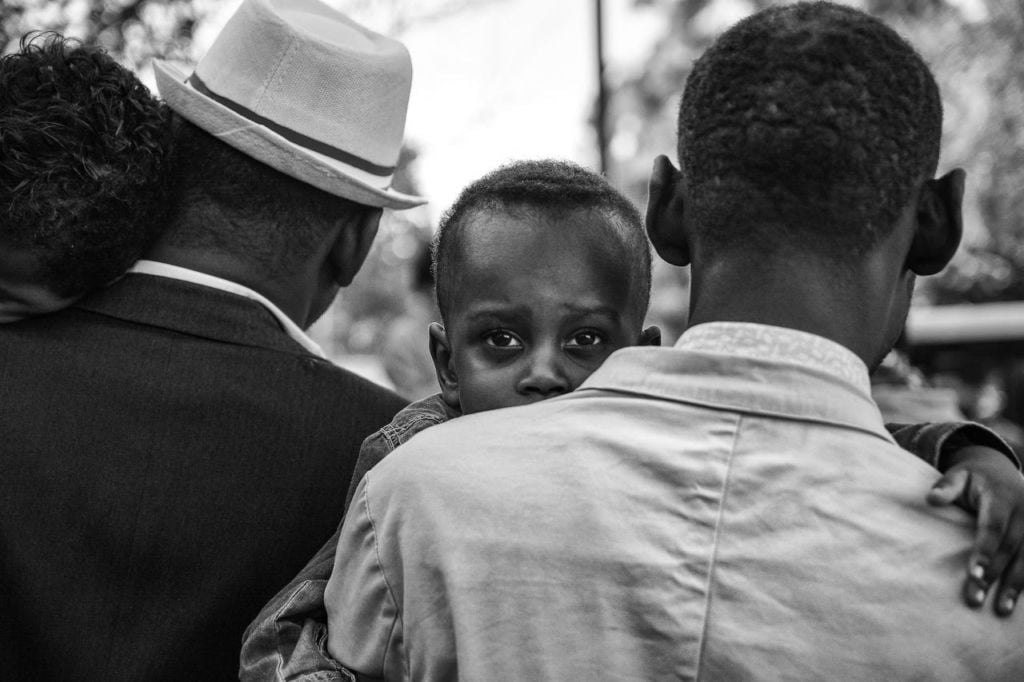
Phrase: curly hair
(82, 150)
(555, 188)
(809, 125)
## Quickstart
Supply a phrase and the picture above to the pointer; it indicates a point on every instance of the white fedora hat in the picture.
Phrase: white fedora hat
(306, 90)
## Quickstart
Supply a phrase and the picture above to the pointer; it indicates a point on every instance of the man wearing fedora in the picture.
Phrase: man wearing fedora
(171, 444)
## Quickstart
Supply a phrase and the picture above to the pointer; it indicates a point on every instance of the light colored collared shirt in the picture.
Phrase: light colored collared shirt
(150, 267)
(728, 509)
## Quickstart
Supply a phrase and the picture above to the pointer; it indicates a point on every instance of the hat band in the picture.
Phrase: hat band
(292, 136)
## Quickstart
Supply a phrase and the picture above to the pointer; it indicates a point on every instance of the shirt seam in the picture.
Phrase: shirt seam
(383, 573)
(130, 564)
(714, 552)
(394, 433)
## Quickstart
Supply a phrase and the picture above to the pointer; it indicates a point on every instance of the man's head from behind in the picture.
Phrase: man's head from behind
(807, 137)
(82, 162)
(542, 270)
(313, 104)
(226, 205)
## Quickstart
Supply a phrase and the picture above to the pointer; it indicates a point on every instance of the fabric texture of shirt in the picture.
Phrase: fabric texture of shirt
(731, 508)
(287, 641)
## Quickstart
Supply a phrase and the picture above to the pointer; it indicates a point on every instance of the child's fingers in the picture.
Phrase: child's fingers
(1011, 586)
(949, 488)
(989, 558)
(1009, 564)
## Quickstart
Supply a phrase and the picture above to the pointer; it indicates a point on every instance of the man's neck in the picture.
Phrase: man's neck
(821, 303)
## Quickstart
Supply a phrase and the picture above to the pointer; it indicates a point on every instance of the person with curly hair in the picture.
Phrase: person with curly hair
(83, 156)
(168, 441)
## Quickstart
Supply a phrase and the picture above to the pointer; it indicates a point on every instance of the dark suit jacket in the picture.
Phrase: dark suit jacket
(169, 459)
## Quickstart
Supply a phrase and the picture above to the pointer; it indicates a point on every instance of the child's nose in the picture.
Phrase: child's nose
(545, 377)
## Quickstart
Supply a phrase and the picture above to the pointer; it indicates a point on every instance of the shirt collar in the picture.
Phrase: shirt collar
(150, 267)
(748, 368)
(778, 344)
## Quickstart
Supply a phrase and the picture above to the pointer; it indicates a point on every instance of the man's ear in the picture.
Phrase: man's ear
(441, 353)
(939, 223)
(353, 245)
(650, 337)
(665, 213)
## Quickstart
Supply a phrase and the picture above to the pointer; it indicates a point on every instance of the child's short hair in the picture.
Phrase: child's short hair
(550, 187)
(82, 149)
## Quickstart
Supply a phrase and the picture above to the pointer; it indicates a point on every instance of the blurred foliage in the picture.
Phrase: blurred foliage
(132, 31)
(976, 49)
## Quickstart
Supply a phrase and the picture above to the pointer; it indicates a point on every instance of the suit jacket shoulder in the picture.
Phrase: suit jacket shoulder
(171, 458)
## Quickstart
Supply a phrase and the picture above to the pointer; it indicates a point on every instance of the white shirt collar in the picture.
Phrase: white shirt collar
(778, 344)
(150, 267)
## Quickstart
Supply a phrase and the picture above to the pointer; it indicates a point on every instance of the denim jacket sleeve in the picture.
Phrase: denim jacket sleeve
(931, 442)
(412, 419)
(288, 639)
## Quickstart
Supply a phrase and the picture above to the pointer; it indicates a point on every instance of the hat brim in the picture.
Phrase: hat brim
(264, 145)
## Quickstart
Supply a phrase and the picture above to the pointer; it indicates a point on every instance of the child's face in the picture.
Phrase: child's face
(536, 309)
(22, 292)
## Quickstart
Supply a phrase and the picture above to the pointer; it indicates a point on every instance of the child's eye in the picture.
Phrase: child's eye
(502, 339)
(585, 338)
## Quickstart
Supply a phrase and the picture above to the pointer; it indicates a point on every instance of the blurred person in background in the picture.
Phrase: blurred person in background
(405, 351)
(904, 394)
(981, 395)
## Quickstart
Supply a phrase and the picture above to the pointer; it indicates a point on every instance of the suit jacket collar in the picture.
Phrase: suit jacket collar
(193, 309)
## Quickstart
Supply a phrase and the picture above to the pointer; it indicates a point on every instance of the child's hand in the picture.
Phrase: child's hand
(985, 481)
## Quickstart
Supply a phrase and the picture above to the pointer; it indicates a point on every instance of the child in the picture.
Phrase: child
(541, 271)
(82, 148)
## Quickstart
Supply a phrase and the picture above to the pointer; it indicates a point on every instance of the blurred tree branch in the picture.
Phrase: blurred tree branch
(133, 31)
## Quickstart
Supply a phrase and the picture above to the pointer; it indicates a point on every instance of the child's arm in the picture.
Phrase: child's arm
(287, 641)
(983, 480)
(936, 442)
(409, 421)
(982, 474)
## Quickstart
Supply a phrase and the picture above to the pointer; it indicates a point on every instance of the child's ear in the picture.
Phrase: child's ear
(650, 337)
(441, 353)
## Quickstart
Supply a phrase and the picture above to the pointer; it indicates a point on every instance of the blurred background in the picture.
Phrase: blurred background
(598, 82)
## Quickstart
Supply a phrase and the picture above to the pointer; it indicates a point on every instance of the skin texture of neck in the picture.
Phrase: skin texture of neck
(861, 307)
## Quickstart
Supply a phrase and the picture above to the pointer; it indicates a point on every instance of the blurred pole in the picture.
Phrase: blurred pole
(601, 116)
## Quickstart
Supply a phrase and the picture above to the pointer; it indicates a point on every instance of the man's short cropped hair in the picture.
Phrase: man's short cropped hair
(83, 145)
(548, 187)
(808, 125)
(225, 201)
